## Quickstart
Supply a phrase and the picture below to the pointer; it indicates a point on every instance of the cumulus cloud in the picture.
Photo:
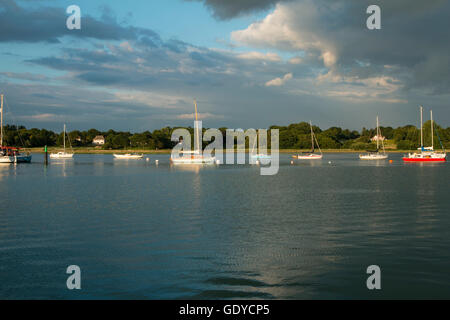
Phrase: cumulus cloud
(231, 8)
(414, 39)
(279, 81)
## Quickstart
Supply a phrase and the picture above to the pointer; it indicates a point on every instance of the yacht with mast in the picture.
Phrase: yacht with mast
(258, 156)
(63, 154)
(132, 156)
(310, 155)
(376, 155)
(195, 156)
(9, 154)
(426, 154)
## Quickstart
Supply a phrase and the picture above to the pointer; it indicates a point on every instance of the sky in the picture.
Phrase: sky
(138, 65)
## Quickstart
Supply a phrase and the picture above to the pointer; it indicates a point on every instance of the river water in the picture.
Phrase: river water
(139, 230)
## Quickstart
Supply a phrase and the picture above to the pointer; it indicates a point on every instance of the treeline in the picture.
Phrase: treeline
(294, 136)
(297, 136)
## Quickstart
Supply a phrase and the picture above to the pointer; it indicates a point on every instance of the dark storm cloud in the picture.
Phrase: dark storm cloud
(414, 37)
(227, 9)
(19, 24)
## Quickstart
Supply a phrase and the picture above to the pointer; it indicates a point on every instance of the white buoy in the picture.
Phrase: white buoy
(292, 162)
(156, 161)
(217, 161)
(147, 159)
(329, 162)
(257, 162)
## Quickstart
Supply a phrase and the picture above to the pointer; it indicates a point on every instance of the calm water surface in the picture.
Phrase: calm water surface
(141, 231)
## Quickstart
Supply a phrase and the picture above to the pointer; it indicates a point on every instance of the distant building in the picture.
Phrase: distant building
(78, 139)
(99, 140)
(377, 137)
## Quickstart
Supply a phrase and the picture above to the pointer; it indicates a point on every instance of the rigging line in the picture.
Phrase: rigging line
(315, 138)
(14, 121)
(439, 138)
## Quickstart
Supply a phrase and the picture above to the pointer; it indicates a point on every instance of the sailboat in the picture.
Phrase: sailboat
(376, 155)
(196, 156)
(9, 154)
(129, 156)
(310, 155)
(258, 156)
(63, 154)
(426, 154)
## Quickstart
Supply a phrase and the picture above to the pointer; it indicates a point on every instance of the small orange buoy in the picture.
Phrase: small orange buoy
(390, 161)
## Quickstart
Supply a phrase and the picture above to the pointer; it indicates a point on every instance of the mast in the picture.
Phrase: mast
(312, 136)
(254, 143)
(421, 129)
(1, 125)
(432, 134)
(64, 137)
(196, 119)
(378, 133)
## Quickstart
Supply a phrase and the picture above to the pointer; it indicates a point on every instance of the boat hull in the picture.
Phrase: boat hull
(6, 159)
(308, 157)
(260, 157)
(425, 157)
(406, 159)
(193, 160)
(132, 157)
(61, 156)
(24, 159)
(373, 157)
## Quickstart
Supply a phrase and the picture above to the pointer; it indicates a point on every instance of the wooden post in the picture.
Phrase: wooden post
(46, 155)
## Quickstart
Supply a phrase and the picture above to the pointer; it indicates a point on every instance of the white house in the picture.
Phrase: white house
(378, 137)
(99, 140)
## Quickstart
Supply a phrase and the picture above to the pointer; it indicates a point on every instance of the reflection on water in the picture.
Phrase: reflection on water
(141, 230)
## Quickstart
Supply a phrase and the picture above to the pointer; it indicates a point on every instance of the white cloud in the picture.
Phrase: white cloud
(255, 55)
(126, 46)
(151, 99)
(329, 59)
(279, 81)
(291, 27)
(201, 116)
(45, 117)
(295, 60)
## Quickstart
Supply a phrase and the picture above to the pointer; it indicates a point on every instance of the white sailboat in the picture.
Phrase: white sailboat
(196, 156)
(376, 155)
(63, 154)
(310, 155)
(134, 156)
(4, 157)
(426, 154)
(9, 154)
(258, 156)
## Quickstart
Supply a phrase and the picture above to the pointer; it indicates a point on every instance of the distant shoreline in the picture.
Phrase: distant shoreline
(89, 150)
